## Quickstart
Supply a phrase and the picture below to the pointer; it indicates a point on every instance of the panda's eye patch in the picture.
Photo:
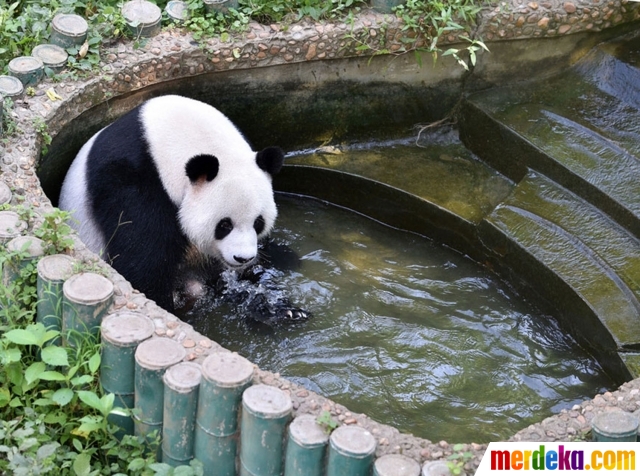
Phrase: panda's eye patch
(223, 228)
(258, 225)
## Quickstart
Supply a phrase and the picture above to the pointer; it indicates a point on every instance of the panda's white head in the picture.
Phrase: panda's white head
(225, 211)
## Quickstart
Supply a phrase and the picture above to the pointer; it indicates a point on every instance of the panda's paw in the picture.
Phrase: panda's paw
(296, 314)
(270, 312)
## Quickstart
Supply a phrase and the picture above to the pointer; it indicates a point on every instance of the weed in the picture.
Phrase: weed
(55, 232)
(326, 421)
(432, 19)
(458, 460)
(9, 124)
(42, 129)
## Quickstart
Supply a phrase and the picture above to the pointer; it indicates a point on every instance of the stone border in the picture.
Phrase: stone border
(173, 55)
(521, 19)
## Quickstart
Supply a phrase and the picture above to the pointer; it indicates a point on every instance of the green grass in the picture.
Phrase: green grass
(53, 412)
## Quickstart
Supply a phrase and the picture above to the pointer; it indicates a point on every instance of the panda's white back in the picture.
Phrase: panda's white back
(74, 198)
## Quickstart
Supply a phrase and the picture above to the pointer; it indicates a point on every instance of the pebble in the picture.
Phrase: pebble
(188, 343)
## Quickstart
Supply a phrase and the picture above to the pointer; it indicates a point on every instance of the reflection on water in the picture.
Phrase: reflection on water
(408, 332)
(443, 171)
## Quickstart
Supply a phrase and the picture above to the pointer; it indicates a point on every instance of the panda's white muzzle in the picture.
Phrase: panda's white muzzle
(239, 250)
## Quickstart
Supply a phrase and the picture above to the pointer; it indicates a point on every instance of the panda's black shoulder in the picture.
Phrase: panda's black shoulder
(122, 141)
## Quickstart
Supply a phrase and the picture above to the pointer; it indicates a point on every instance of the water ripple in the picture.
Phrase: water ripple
(410, 333)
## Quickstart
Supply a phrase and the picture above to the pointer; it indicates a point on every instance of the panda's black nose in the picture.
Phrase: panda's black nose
(242, 260)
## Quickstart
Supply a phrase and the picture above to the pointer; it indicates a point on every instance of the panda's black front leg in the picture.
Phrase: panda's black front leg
(261, 310)
(257, 296)
(267, 303)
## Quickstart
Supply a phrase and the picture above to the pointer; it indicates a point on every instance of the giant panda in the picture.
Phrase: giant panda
(170, 179)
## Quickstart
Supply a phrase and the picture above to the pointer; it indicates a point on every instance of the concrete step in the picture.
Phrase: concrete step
(581, 129)
(576, 256)
(439, 190)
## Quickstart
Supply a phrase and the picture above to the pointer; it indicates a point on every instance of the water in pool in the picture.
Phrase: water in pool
(411, 333)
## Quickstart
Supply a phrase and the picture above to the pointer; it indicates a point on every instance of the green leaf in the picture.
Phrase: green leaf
(82, 464)
(136, 465)
(5, 397)
(85, 429)
(94, 362)
(52, 376)
(27, 443)
(62, 396)
(77, 445)
(90, 399)
(418, 58)
(107, 403)
(58, 417)
(50, 334)
(81, 380)
(183, 471)
(21, 337)
(162, 469)
(11, 355)
(34, 371)
(15, 403)
(54, 355)
(42, 402)
(15, 374)
(47, 450)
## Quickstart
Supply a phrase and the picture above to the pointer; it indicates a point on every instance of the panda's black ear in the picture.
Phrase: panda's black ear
(202, 167)
(270, 160)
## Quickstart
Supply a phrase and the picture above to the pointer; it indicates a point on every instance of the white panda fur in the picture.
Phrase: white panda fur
(74, 197)
(171, 174)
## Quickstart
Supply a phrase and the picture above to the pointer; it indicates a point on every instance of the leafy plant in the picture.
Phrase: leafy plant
(432, 19)
(42, 129)
(54, 416)
(23, 25)
(17, 298)
(326, 421)
(9, 125)
(55, 232)
(474, 46)
(458, 459)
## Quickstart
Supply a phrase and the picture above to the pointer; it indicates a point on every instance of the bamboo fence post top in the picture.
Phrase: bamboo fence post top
(396, 465)
(267, 402)
(55, 268)
(126, 328)
(183, 377)
(10, 225)
(68, 30)
(88, 288)
(159, 353)
(227, 369)
(307, 432)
